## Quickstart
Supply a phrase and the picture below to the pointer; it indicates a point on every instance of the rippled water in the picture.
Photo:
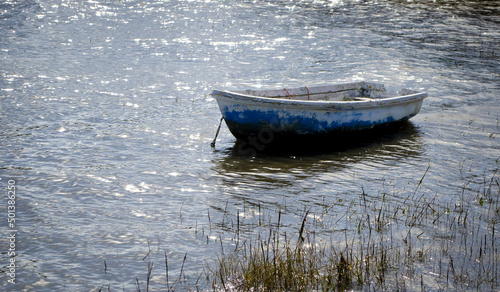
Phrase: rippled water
(106, 122)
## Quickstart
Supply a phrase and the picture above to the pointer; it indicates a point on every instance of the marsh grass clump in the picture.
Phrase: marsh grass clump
(279, 268)
(418, 243)
(279, 263)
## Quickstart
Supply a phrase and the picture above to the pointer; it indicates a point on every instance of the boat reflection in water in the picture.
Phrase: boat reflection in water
(257, 170)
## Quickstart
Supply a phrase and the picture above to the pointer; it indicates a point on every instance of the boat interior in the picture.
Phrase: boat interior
(349, 92)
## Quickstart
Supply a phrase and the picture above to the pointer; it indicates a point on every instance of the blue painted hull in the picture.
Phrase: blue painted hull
(361, 106)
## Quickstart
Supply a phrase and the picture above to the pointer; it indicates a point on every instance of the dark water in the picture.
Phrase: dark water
(106, 122)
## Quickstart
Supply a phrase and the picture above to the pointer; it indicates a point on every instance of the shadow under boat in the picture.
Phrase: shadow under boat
(268, 143)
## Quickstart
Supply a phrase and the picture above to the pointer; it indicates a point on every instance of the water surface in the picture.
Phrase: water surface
(106, 122)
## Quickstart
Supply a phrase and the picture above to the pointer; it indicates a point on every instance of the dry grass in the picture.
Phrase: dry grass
(415, 244)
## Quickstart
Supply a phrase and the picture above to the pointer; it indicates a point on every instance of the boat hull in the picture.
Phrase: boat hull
(268, 117)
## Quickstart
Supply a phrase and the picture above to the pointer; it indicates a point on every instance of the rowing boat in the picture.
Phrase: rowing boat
(320, 110)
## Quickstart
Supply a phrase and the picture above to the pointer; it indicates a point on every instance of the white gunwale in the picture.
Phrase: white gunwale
(298, 97)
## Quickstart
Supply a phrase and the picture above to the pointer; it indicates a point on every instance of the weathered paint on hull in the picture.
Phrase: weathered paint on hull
(244, 120)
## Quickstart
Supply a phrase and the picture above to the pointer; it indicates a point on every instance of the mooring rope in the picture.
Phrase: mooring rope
(217, 133)
(308, 96)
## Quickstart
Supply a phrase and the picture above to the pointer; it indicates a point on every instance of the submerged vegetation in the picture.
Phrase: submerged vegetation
(413, 244)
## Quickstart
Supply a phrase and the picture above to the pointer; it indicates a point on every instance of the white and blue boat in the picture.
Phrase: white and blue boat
(313, 111)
